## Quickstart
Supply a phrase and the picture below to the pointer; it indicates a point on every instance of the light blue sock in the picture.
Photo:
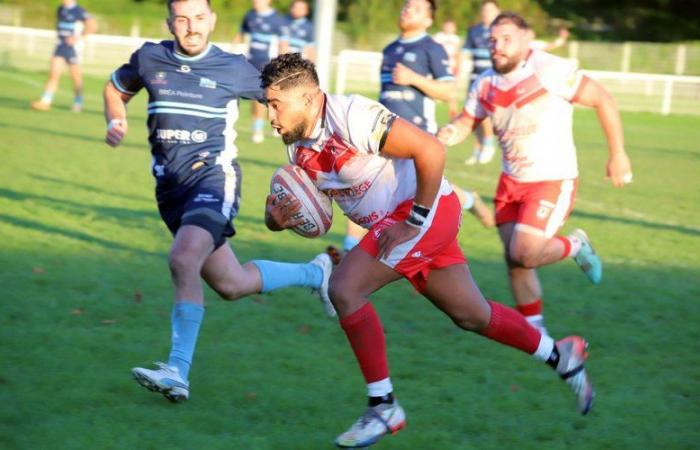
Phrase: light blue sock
(78, 100)
(186, 319)
(277, 275)
(349, 243)
(258, 124)
(488, 141)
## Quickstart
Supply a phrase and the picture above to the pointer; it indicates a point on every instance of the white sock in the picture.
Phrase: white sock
(468, 201)
(544, 349)
(575, 245)
(380, 388)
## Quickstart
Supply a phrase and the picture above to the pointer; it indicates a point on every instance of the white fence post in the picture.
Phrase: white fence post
(573, 50)
(626, 57)
(680, 59)
(668, 95)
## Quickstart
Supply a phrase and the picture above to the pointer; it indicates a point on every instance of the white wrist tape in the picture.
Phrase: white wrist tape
(112, 123)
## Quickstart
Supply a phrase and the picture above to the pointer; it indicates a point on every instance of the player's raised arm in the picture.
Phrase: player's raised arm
(593, 94)
(124, 83)
(433, 88)
(404, 140)
(115, 114)
(457, 130)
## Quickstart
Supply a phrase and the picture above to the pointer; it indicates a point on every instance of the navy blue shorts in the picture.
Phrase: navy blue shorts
(66, 52)
(209, 201)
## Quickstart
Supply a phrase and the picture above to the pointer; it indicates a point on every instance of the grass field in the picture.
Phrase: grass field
(86, 296)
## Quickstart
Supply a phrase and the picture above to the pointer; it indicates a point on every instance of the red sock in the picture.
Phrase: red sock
(509, 327)
(567, 245)
(366, 335)
(531, 309)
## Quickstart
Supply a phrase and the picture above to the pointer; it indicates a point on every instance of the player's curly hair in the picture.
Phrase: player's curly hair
(288, 70)
(511, 17)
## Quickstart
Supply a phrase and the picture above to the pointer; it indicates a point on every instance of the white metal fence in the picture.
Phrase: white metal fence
(359, 72)
(31, 48)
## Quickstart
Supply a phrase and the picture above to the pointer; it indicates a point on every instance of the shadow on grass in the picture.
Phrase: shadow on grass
(637, 222)
(25, 224)
(65, 134)
(89, 188)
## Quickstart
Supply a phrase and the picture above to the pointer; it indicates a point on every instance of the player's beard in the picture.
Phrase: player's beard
(296, 134)
(505, 67)
(203, 40)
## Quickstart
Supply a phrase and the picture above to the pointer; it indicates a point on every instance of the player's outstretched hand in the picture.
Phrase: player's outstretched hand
(449, 135)
(402, 75)
(395, 235)
(619, 169)
(279, 213)
(116, 130)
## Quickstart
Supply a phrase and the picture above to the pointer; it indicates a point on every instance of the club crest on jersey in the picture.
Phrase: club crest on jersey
(159, 78)
(207, 83)
(184, 69)
(409, 57)
(544, 209)
(399, 50)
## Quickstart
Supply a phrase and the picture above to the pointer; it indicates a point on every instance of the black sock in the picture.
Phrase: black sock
(388, 398)
(553, 360)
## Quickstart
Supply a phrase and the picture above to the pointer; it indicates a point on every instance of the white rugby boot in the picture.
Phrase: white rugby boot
(166, 380)
(572, 355)
(374, 423)
(324, 261)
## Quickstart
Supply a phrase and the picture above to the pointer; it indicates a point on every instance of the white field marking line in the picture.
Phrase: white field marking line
(598, 206)
(38, 84)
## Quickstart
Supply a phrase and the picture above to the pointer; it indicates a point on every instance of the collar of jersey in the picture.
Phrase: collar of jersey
(413, 39)
(266, 13)
(193, 58)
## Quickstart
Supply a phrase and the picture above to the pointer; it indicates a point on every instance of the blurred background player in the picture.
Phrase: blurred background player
(414, 73)
(266, 33)
(198, 178)
(301, 30)
(536, 190)
(477, 44)
(387, 174)
(73, 24)
(451, 42)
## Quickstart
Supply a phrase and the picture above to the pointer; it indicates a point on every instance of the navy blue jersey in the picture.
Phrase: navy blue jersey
(69, 21)
(301, 34)
(477, 44)
(192, 105)
(427, 58)
(265, 30)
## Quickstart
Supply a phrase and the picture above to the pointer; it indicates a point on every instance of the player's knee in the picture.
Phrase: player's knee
(524, 257)
(340, 291)
(181, 262)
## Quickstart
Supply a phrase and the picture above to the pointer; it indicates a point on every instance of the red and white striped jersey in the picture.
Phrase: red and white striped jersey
(343, 158)
(532, 113)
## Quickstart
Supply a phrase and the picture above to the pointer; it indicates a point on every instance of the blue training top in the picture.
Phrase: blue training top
(424, 56)
(192, 104)
(265, 31)
(477, 44)
(68, 19)
(301, 34)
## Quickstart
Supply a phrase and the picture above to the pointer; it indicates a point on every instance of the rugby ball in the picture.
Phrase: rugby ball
(316, 208)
